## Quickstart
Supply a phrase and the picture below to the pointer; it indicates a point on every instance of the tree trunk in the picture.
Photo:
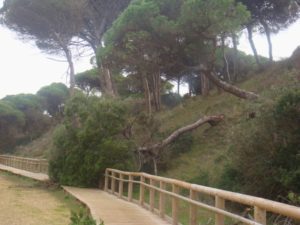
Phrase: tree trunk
(154, 149)
(106, 83)
(178, 85)
(235, 56)
(225, 61)
(156, 91)
(72, 70)
(250, 38)
(147, 95)
(268, 34)
(109, 90)
(204, 85)
(230, 88)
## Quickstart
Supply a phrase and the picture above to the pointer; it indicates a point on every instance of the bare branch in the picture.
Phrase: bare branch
(154, 149)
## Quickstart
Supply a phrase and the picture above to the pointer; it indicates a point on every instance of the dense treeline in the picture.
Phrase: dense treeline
(141, 48)
(25, 117)
(265, 158)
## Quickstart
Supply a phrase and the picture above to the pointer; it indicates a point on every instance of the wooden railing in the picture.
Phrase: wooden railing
(29, 164)
(159, 188)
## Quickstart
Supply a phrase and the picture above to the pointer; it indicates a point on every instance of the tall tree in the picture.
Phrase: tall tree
(88, 81)
(203, 24)
(54, 96)
(52, 24)
(142, 40)
(269, 16)
(98, 17)
(35, 121)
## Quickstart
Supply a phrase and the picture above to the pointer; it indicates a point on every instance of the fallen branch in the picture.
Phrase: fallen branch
(154, 149)
(230, 88)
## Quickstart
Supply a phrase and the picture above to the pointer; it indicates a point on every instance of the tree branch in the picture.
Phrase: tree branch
(154, 149)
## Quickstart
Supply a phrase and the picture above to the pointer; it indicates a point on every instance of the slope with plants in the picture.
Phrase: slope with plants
(209, 158)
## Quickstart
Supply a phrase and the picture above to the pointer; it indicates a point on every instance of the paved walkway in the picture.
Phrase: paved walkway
(112, 210)
(35, 176)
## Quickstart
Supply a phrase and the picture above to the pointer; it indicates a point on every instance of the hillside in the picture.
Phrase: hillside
(210, 152)
(205, 160)
(38, 148)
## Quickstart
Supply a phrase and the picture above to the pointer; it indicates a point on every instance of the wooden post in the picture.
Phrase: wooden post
(260, 215)
(106, 180)
(113, 183)
(193, 208)
(219, 203)
(162, 200)
(40, 166)
(121, 186)
(175, 204)
(152, 196)
(130, 188)
(142, 190)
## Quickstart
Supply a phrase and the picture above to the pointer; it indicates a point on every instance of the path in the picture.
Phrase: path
(103, 206)
(35, 176)
(112, 210)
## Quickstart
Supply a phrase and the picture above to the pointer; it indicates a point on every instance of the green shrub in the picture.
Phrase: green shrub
(182, 145)
(265, 150)
(171, 100)
(89, 141)
(82, 218)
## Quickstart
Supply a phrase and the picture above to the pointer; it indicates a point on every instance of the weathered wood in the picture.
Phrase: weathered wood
(130, 188)
(142, 191)
(213, 120)
(113, 183)
(121, 186)
(28, 164)
(220, 204)
(261, 205)
(106, 180)
(162, 200)
(230, 88)
(260, 215)
(152, 196)
(193, 209)
(175, 205)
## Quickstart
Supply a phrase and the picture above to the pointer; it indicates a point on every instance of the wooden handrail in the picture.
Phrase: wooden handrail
(28, 164)
(114, 178)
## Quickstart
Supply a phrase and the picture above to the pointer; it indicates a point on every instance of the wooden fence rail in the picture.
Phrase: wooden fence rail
(175, 189)
(29, 164)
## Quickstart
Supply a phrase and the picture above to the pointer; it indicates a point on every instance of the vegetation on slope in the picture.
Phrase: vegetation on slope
(209, 160)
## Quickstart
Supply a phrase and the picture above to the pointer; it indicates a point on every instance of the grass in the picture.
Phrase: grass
(204, 162)
(25, 201)
(38, 148)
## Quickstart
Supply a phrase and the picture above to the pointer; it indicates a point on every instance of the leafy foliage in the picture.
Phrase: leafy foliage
(54, 97)
(89, 141)
(266, 154)
(22, 120)
(88, 81)
(82, 218)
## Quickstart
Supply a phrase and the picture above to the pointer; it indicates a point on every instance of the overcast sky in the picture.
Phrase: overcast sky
(24, 69)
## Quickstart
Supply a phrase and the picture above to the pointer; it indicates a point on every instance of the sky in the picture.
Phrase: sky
(24, 69)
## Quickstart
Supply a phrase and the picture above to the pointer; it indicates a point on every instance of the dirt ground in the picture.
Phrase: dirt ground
(25, 202)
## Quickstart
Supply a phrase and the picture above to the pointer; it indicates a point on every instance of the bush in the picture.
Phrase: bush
(89, 141)
(266, 153)
(82, 218)
(171, 100)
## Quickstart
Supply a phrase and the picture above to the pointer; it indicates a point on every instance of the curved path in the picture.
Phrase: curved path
(103, 206)
(35, 176)
(112, 210)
